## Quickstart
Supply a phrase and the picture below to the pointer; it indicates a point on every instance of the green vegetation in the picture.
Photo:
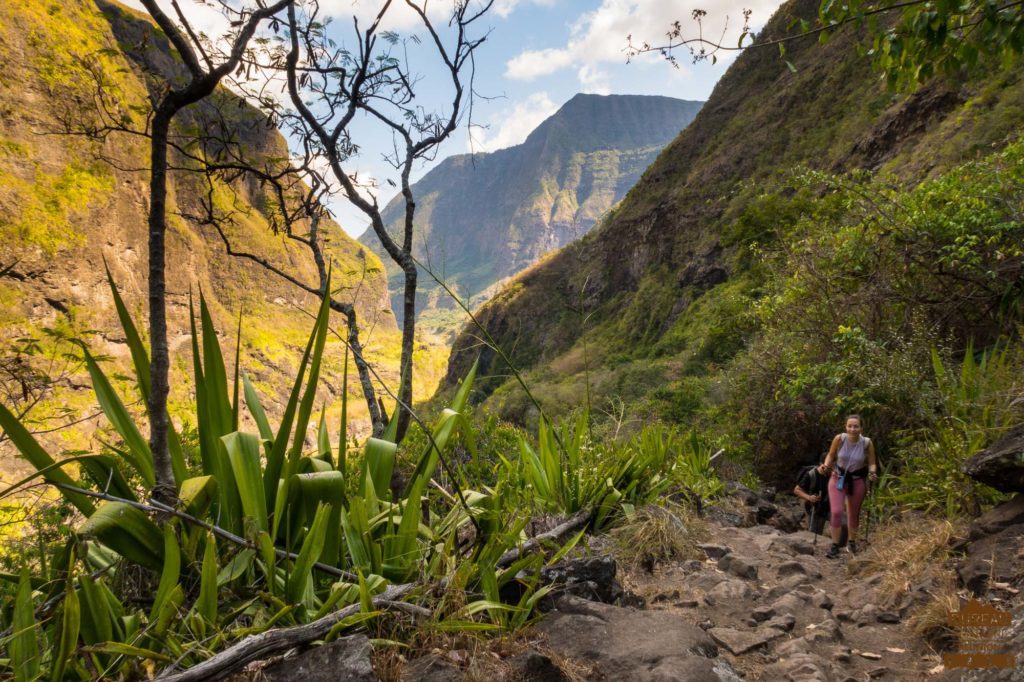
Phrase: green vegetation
(44, 209)
(269, 534)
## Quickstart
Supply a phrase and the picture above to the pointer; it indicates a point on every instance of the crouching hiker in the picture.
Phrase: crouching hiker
(851, 460)
(812, 487)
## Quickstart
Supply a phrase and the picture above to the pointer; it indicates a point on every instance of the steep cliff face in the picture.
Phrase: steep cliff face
(641, 273)
(70, 203)
(483, 217)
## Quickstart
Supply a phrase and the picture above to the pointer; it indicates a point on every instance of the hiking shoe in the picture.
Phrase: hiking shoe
(833, 552)
(851, 547)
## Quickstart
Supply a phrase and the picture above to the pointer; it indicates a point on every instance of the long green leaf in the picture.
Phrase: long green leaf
(71, 620)
(323, 440)
(98, 617)
(215, 420)
(24, 643)
(140, 359)
(171, 572)
(306, 406)
(30, 449)
(127, 531)
(124, 649)
(252, 401)
(206, 603)
(244, 454)
(141, 459)
(275, 459)
(379, 460)
(214, 373)
(309, 554)
(343, 428)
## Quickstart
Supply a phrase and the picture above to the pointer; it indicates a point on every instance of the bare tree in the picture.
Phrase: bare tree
(206, 70)
(333, 87)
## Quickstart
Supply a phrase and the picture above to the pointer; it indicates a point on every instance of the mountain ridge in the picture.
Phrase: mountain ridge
(482, 217)
(638, 283)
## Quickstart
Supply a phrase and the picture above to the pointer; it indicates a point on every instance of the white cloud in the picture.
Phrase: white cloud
(503, 8)
(594, 80)
(600, 36)
(516, 123)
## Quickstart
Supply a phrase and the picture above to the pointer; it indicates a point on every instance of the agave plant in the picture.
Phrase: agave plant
(265, 533)
(568, 472)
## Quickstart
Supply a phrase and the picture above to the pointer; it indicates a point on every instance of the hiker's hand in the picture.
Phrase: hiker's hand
(823, 469)
(872, 477)
(815, 498)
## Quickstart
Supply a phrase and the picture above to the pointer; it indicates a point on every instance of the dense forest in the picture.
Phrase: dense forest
(231, 445)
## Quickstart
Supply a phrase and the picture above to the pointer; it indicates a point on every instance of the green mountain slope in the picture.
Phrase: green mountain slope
(651, 304)
(68, 204)
(483, 217)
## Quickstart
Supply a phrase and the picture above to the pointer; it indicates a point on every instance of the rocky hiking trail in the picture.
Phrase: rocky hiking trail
(778, 609)
(762, 605)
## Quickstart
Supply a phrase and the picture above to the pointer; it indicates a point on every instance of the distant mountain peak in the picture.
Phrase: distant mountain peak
(481, 218)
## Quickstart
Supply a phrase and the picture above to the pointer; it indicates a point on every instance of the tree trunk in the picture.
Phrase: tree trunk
(408, 344)
(165, 489)
(363, 368)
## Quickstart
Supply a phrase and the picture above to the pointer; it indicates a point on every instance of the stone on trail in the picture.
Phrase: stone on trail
(797, 568)
(741, 641)
(826, 631)
(800, 667)
(784, 623)
(739, 566)
(728, 589)
(346, 658)
(632, 646)
(714, 551)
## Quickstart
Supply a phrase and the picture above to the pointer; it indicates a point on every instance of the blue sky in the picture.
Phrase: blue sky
(538, 55)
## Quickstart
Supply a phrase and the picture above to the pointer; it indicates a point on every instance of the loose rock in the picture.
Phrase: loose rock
(346, 658)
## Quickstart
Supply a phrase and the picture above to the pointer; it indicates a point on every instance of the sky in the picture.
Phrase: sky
(538, 54)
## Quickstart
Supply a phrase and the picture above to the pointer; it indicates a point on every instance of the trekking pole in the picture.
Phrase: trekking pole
(867, 503)
(814, 510)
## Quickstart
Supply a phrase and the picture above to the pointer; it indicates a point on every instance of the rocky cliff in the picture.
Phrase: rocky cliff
(484, 217)
(70, 202)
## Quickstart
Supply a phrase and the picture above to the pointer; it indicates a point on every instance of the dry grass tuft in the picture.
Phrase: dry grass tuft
(657, 535)
(907, 554)
(931, 620)
(476, 657)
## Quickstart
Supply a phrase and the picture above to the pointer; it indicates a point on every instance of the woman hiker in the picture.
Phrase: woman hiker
(851, 459)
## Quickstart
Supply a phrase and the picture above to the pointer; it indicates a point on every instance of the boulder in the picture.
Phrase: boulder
(996, 558)
(632, 646)
(992, 547)
(1000, 465)
(591, 578)
(346, 658)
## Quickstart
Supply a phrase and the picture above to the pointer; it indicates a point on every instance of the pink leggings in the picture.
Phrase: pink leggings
(858, 489)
